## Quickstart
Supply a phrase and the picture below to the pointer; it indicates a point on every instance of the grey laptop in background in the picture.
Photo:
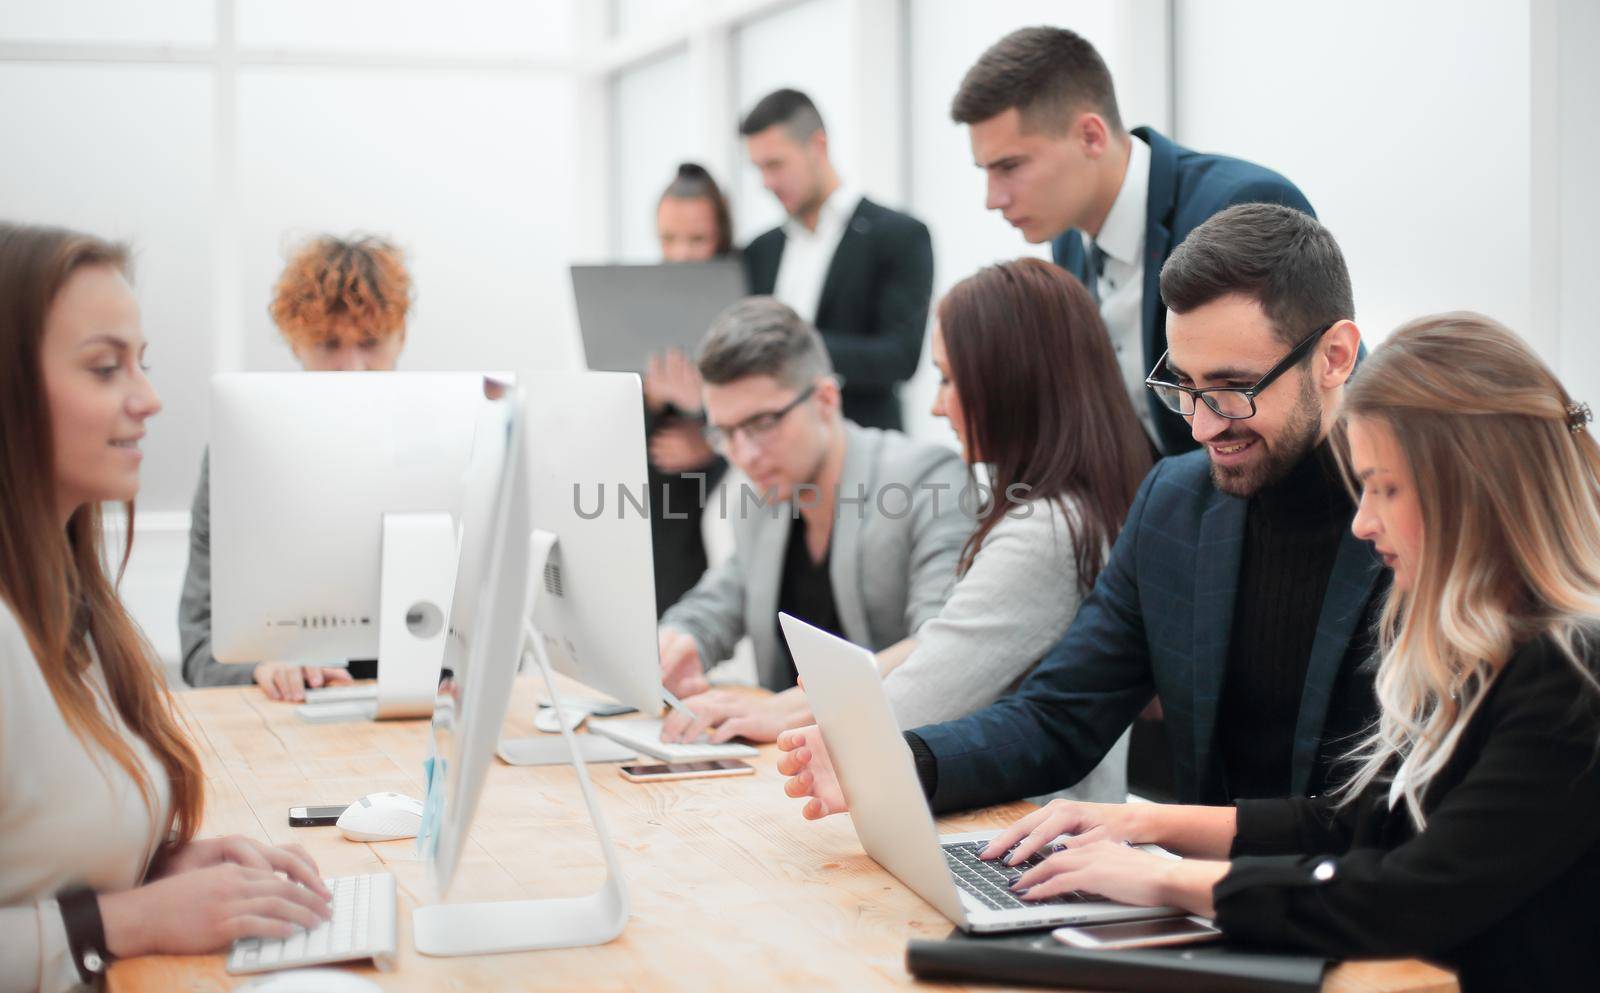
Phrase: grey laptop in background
(629, 312)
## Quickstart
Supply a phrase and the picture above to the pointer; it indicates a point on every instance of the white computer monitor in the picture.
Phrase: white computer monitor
(334, 499)
(587, 458)
(500, 587)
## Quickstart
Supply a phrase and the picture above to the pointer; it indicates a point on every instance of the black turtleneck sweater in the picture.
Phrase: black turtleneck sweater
(1292, 535)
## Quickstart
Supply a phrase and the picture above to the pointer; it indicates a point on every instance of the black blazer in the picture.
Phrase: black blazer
(1501, 885)
(1186, 188)
(873, 312)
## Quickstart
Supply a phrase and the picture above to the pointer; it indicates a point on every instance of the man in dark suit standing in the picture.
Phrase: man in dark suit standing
(861, 273)
(1044, 125)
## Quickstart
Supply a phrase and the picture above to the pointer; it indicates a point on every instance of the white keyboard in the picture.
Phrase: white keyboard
(342, 694)
(645, 736)
(363, 927)
(338, 711)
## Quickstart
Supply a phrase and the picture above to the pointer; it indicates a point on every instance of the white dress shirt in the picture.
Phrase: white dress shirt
(1121, 286)
(803, 266)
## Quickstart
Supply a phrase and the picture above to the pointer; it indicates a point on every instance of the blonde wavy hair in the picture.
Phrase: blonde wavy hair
(1508, 484)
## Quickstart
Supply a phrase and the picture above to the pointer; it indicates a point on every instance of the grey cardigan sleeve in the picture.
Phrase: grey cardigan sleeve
(939, 529)
(712, 613)
(1005, 613)
(194, 610)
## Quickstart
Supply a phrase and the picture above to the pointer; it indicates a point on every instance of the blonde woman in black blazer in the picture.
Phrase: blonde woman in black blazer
(1469, 829)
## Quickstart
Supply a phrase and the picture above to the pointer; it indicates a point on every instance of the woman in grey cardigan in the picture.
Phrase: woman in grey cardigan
(1032, 388)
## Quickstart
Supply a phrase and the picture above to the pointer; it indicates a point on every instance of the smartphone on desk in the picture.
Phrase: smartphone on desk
(1138, 934)
(663, 771)
(316, 816)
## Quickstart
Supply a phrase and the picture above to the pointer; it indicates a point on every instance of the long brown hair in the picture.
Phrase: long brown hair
(56, 581)
(1507, 477)
(1043, 402)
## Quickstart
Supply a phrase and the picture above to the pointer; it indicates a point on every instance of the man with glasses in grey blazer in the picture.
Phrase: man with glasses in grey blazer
(856, 530)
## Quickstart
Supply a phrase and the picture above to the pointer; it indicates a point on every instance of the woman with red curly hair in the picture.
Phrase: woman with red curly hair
(341, 305)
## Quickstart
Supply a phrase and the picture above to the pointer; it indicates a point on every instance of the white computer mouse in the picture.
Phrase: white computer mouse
(381, 817)
(550, 719)
(309, 981)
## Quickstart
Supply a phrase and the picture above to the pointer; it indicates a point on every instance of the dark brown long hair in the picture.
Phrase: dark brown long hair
(694, 182)
(1043, 403)
(55, 581)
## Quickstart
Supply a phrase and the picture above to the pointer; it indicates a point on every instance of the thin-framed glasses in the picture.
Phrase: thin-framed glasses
(756, 428)
(1234, 403)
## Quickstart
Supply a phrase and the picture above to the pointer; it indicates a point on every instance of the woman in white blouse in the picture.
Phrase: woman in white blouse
(1030, 384)
(100, 789)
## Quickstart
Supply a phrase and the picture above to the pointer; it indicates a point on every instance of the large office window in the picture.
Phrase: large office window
(805, 46)
(655, 126)
(124, 151)
(481, 207)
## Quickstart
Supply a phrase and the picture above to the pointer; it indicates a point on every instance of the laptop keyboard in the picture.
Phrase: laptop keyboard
(990, 882)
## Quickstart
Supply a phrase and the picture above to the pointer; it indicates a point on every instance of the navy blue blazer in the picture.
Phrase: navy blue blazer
(1186, 188)
(1159, 621)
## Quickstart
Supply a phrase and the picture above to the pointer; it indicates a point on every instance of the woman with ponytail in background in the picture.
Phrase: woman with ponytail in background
(693, 224)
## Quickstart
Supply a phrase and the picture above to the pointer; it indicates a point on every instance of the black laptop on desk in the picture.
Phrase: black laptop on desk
(627, 313)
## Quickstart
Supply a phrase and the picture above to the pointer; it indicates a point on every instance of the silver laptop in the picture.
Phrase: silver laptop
(627, 313)
(891, 815)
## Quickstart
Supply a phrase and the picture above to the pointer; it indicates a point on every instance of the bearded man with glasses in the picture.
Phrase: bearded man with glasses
(1235, 590)
(855, 530)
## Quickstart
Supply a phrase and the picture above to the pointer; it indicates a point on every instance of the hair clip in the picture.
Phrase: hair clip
(1578, 415)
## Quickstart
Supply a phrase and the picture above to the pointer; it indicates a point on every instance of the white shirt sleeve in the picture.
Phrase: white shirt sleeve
(34, 955)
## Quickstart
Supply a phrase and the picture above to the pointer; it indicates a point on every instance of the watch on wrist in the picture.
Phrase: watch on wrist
(86, 932)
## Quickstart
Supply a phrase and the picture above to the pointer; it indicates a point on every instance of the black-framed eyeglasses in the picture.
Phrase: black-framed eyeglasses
(1232, 402)
(757, 427)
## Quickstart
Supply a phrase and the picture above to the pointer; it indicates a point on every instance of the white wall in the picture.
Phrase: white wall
(215, 134)
(655, 126)
(456, 167)
(153, 191)
(1411, 129)
(1578, 206)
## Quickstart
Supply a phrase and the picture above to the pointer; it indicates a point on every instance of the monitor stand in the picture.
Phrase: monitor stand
(528, 925)
(416, 582)
(420, 556)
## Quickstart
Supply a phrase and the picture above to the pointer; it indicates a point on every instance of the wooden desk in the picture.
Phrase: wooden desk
(730, 888)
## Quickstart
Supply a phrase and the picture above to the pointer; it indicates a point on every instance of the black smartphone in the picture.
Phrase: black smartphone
(316, 816)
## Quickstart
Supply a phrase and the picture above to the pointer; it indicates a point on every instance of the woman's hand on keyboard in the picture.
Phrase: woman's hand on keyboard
(1086, 822)
(806, 762)
(236, 849)
(1125, 874)
(203, 910)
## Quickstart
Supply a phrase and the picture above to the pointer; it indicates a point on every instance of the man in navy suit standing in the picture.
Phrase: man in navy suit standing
(1044, 126)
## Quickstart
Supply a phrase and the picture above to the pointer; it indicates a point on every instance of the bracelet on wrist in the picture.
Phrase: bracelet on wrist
(86, 932)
